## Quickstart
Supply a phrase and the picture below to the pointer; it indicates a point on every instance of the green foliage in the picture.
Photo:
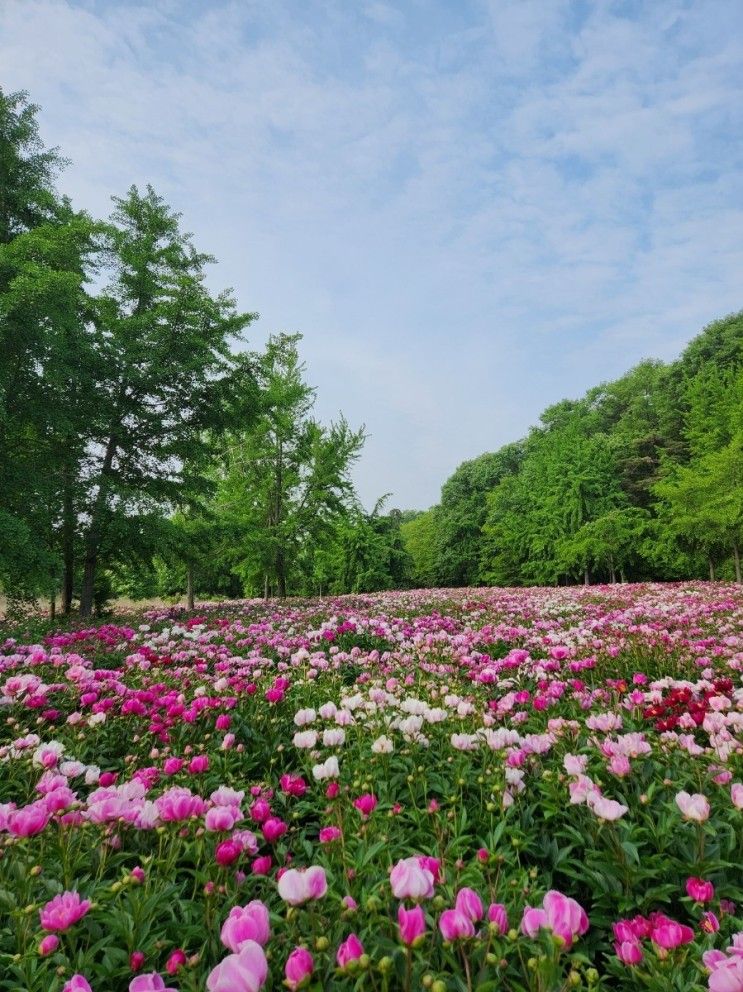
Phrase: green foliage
(286, 481)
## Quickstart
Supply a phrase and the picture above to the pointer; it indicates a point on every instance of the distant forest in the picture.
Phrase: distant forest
(145, 450)
(640, 479)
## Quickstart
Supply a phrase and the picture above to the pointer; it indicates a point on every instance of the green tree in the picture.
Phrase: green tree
(287, 480)
(168, 372)
(46, 390)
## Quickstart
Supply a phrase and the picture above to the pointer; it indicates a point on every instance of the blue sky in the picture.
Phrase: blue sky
(469, 208)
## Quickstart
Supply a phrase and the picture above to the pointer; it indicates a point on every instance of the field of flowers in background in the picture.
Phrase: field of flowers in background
(480, 789)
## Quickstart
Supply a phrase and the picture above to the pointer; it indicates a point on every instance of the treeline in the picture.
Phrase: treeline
(640, 479)
(143, 448)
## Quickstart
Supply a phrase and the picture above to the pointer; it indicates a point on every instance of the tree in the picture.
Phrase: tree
(287, 480)
(168, 374)
(46, 253)
(461, 514)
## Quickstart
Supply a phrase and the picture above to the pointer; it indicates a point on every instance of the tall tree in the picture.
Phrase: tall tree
(168, 371)
(287, 480)
(46, 252)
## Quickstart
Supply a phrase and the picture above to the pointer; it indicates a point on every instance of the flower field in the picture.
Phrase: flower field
(483, 789)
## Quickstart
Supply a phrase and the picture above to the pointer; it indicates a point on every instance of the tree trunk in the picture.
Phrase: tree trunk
(94, 535)
(622, 576)
(68, 544)
(189, 587)
(281, 575)
(586, 577)
(53, 605)
(736, 557)
(265, 585)
(711, 570)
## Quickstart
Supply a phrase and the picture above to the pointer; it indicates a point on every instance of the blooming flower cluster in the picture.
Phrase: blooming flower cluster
(445, 789)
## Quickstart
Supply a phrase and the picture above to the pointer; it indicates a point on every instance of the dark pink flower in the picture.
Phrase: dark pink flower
(63, 911)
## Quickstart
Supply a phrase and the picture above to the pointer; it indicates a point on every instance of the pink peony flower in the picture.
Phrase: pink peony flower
(727, 976)
(228, 852)
(736, 794)
(366, 804)
(469, 903)
(456, 925)
(262, 865)
(412, 925)
(629, 951)
(29, 820)
(63, 911)
(409, 880)
(245, 923)
(668, 934)
(605, 809)
(350, 950)
(273, 829)
(329, 834)
(497, 914)
(136, 961)
(78, 983)
(178, 804)
(220, 818)
(298, 968)
(48, 944)
(243, 972)
(700, 890)
(693, 807)
(560, 914)
(298, 885)
(176, 961)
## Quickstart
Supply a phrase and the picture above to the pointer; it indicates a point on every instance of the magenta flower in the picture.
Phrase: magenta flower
(366, 804)
(48, 944)
(245, 923)
(178, 804)
(329, 834)
(243, 972)
(63, 911)
(350, 950)
(273, 829)
(668, 934)
(176, 961)
(412, 925)
(456, 925)
(29, 820)
(629, 951)
(700, 890)
(298, 968)
(469, 903)
(497, 914)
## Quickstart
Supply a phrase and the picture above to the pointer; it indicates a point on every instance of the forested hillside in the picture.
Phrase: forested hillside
(642, 478)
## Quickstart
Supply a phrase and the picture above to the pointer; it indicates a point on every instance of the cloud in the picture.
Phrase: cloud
(470, 210)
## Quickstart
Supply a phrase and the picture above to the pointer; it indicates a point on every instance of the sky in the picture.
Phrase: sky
(471, 209)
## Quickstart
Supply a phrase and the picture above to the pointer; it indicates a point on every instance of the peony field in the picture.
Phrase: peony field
(474, 789)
